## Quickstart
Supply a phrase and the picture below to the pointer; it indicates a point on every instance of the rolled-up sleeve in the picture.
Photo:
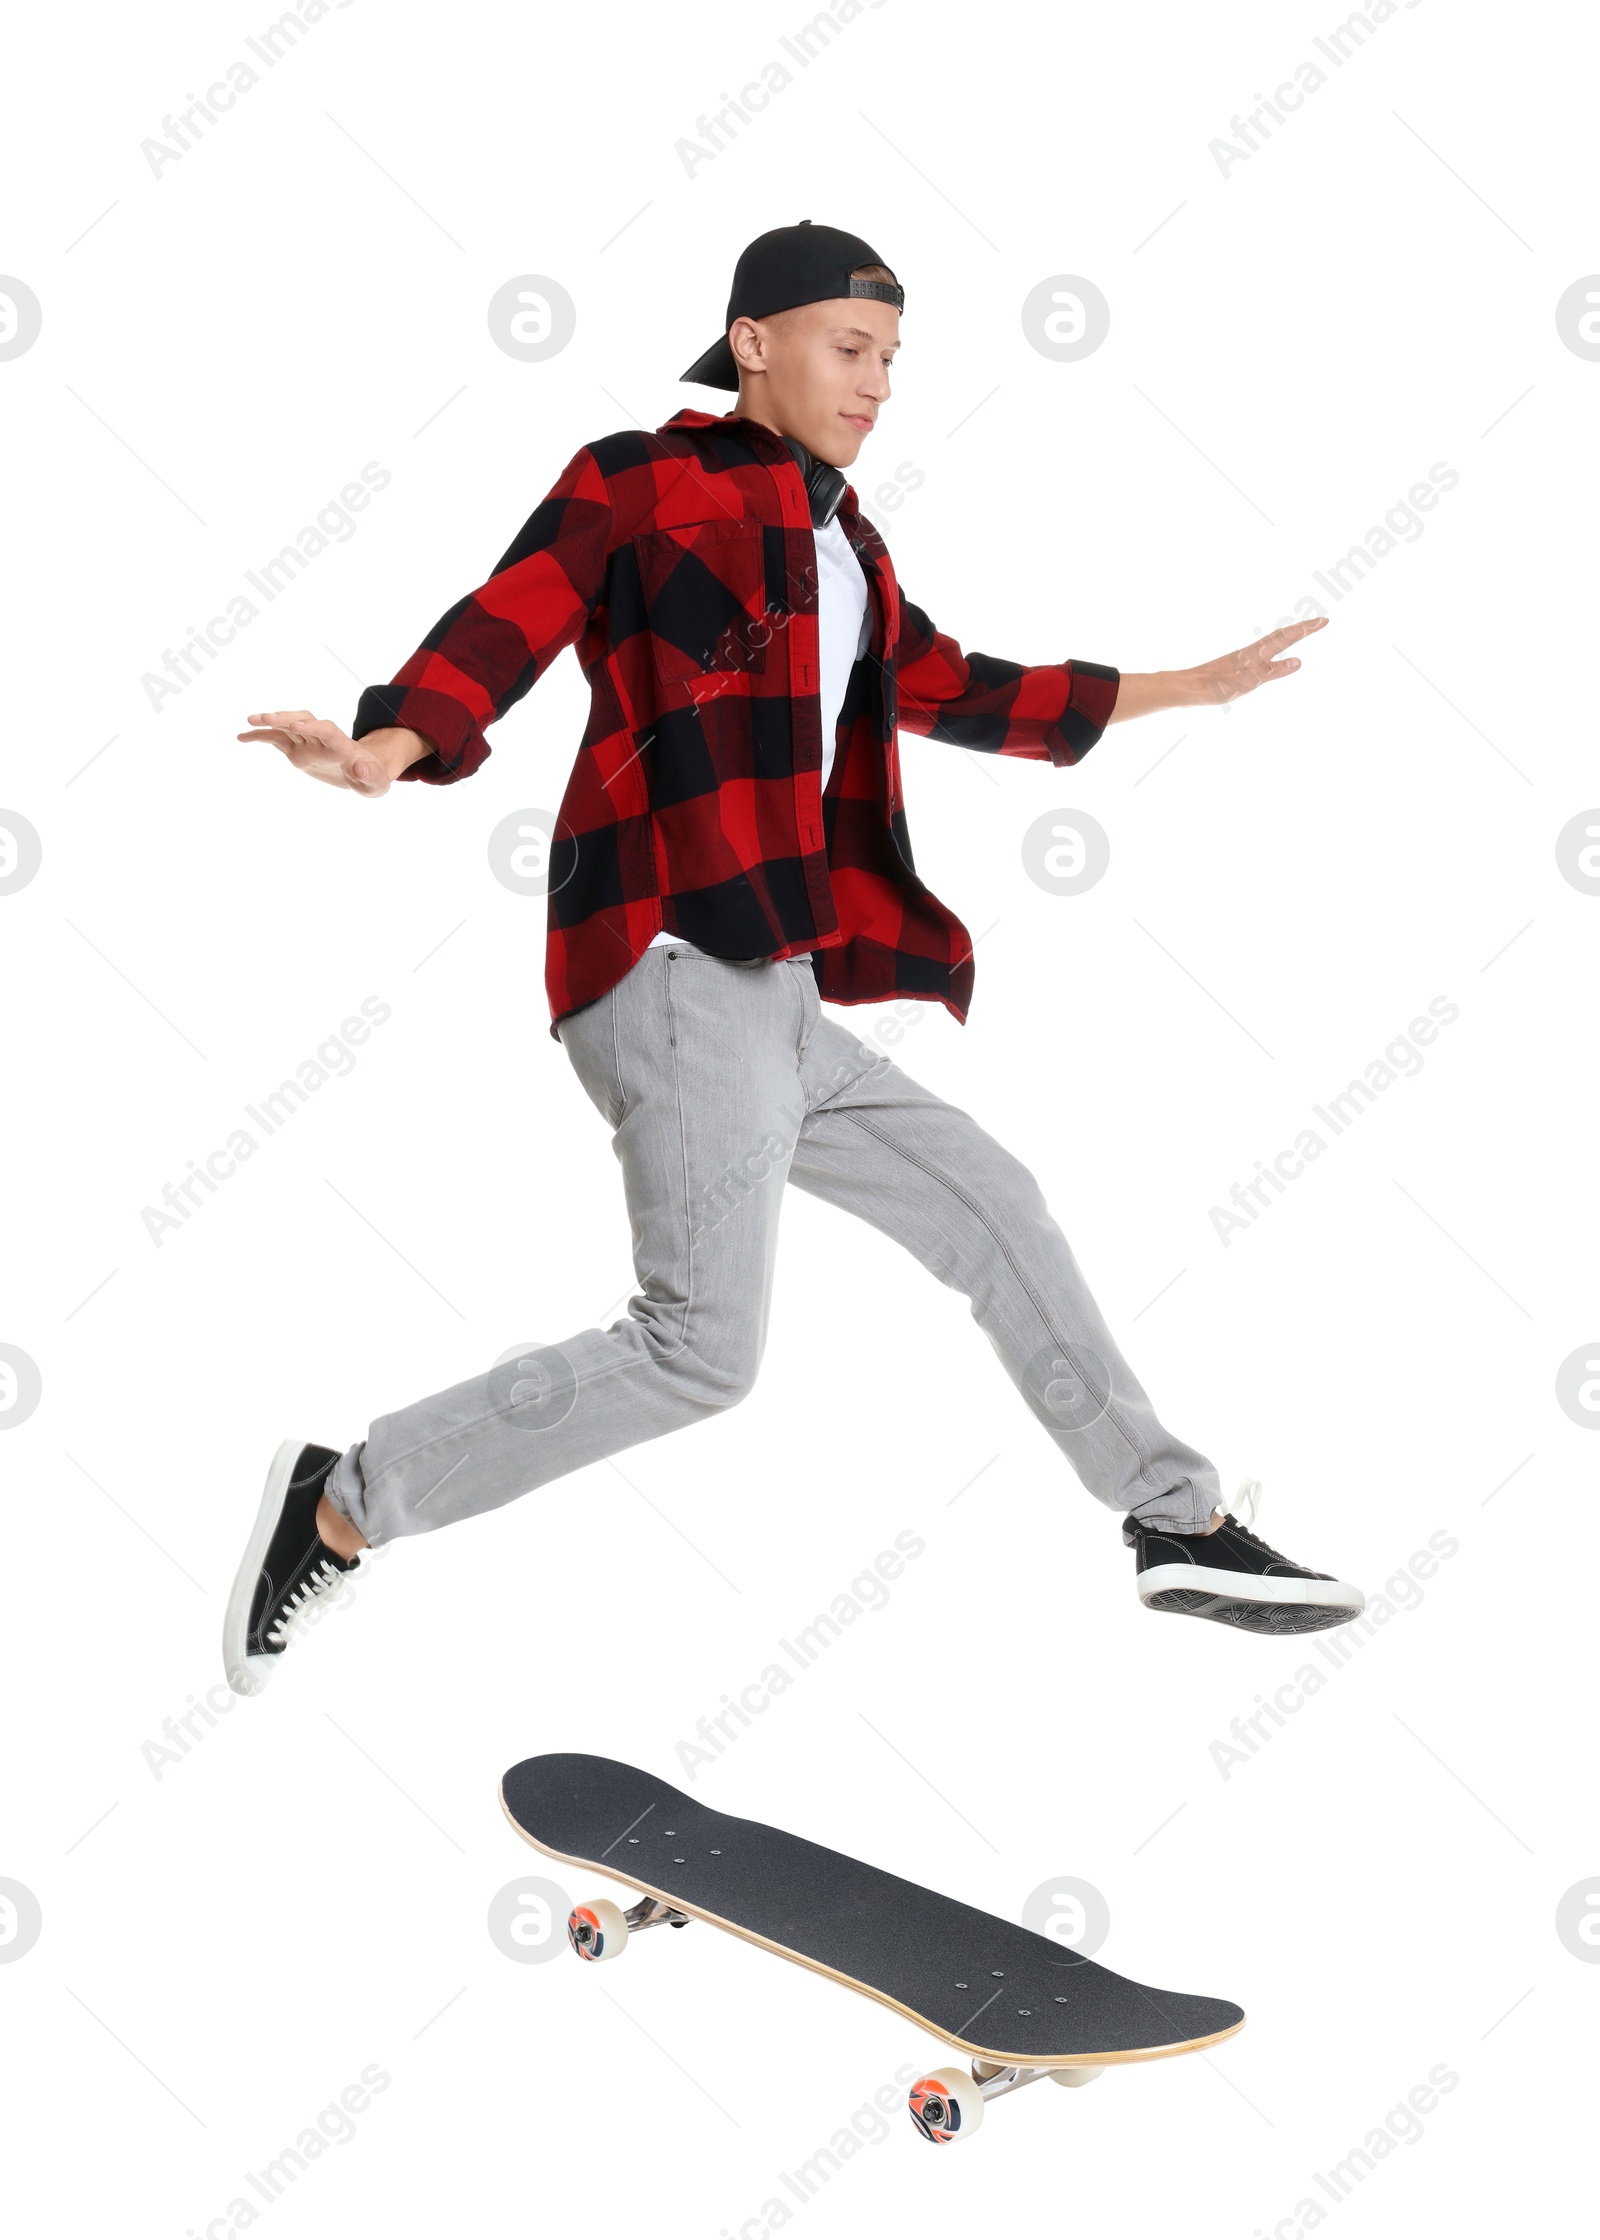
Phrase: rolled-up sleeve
(1055, 712)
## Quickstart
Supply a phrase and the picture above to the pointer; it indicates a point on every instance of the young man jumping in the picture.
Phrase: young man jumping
(731, 853)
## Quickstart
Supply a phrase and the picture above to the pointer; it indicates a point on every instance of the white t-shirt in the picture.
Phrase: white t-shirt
(844, 630)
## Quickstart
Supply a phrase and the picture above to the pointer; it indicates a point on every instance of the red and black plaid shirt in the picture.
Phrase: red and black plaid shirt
(683, 567)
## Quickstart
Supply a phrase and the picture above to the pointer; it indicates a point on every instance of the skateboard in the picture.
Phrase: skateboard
(1021, 2006)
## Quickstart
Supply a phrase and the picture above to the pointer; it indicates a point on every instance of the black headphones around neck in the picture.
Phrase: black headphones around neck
(825, 485)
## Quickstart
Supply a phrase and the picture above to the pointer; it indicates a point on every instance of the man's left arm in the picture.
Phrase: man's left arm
(1057, 711)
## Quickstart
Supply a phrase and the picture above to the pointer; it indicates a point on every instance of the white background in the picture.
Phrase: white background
(303, 1892)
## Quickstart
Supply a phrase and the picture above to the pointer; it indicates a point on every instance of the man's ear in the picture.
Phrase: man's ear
(748, 345)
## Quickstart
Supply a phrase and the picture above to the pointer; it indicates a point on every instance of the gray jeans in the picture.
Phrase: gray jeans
(722, 1082)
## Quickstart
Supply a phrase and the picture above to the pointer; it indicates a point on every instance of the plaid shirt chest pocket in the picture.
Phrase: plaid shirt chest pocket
(704, 586)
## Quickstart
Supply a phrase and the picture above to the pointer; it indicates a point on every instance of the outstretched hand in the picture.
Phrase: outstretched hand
(1213, 682)
(322, 750)
(1234, 673)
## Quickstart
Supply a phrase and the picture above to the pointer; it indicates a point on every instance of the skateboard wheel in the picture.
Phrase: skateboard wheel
(946, 2105)
(1075, 2076)
(598, 1930)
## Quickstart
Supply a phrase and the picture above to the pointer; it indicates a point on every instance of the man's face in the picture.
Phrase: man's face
(819, 373)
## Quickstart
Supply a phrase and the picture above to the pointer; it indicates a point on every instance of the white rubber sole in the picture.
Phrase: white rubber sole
(247, 1675)
(1245, 1586)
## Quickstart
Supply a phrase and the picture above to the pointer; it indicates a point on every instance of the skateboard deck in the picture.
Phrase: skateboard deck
(1021, 2005)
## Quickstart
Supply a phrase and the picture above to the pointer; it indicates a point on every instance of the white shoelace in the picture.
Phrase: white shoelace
(319, 1588)
(1249, 1491)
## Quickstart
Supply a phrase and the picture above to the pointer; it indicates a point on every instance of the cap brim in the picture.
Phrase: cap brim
(716, 370)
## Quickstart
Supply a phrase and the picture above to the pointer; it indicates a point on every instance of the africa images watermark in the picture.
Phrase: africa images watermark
(1401, 524)
(743, 646)
(333, 1056)
(1338, 1647)
(868, 1590)
(1401, 2127)
(803, 48)
(1400, 1059)
(334, 2127)
(1252, 131)
(749, 1170)
(868, 2127)
(185, 131)
(182, 1732)
(333, 525)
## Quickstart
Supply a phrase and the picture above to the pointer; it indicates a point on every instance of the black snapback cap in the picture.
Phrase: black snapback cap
(783, 269)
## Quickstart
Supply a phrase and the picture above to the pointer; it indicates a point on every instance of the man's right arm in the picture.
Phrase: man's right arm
(476, 662)
(484, 653)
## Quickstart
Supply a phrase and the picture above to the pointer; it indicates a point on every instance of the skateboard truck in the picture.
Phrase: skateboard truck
(947, 2104)
(649, 1913)
(599, 1929)
(994, 2081)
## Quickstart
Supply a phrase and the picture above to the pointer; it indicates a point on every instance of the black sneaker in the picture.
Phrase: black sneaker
(1235, 1578)
(288, 1571)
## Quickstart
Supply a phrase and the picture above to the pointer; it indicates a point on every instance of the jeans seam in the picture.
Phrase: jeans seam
(687, 1231)
(616, 1062)
(800, 1030)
